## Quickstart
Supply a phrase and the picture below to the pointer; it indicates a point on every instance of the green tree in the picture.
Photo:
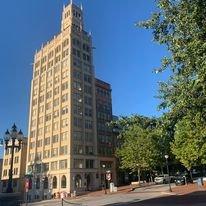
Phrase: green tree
(140, 143)
(180, 26)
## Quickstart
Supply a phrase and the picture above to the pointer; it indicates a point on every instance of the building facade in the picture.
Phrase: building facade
(19, 168)
(105, 137)
(62, 144)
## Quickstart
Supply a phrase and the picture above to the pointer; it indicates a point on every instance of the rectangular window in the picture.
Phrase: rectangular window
(88, 124)
(45, 167)
(46, 153)
(78, 136)
(65, 122)
(65, 110)
(54, 152)
(63, 150)
(78, 163)
(89, 164)
(64, 98)
(63, 164)
(56, 102)
(64, 86)
(54, 165)
(78, 122)
(56, 114)
(64, 136)
(78, 149)
(55, 138)
(47, 141)
(39, 143)
(55, 126)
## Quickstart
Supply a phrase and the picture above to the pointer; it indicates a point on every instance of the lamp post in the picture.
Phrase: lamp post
(10, 143)
(166, 157)
(105, 188)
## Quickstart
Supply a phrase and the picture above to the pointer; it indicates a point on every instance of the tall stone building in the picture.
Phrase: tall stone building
(19, 168)
(62, 143)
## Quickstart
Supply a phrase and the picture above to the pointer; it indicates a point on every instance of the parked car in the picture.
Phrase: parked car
(182, 179)
(162, 179)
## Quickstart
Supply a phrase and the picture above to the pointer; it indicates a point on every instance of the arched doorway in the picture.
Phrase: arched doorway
(63, 182)
(54, 182)
(88, 181)
(78, 181)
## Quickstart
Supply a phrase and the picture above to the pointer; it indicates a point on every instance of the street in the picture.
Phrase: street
(128, 198)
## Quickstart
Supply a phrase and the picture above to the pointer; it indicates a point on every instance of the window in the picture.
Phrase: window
(65, 53)
(48, 105)
(89, 150)
(65, 110)
(77, 110)
(55, 138)
(78, 181)
(65, 122)
(54, 182)
(37, 183)
(56, 79)
(77, 85)
(63, 150)
(78, 163)
(64, 86)
(87, 78)
(15, 171)
(40, 131)
(39, 143)
(46, 153)
(6, 162)
(58, 49)
(5, 173)
(88, 112)
(47, 141)
(77, 74)
(49, 84)
(56, 90)
(45, 167)
(64, 98)
(56, 113)
(41, 99)
(48, 117)
(41, 108)
(88, 124)
(49, 94)
(64, 136)
(46, 183)
(89, 163)
(54, 165)
(62, 164)
(78, 149)
(55, 126)
(47, 128)
(78, 136)
(54, 152)
(63, 182)
(38, 156)
(56, 102)
(65, 74)
(87, 89)
(88, 137)
(78, 122)
(41, 120)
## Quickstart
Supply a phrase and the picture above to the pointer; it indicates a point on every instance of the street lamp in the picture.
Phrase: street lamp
(10, 142)
(166, 157)
(105, 189)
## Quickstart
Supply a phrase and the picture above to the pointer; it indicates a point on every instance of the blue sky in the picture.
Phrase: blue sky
(125, 55)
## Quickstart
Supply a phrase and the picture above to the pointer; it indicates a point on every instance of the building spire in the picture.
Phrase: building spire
(81, 7)
(71, 1)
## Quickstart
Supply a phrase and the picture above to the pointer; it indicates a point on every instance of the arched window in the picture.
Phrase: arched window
(63, 182)
(54, 183)
(46, 183)
(37, 183)
(78, 181)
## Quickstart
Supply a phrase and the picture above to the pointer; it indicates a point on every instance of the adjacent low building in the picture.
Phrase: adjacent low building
(19, 168)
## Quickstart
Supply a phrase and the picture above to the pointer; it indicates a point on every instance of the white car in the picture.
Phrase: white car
(162, 179)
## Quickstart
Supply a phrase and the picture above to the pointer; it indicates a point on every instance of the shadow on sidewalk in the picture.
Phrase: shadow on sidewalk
(192, 199)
